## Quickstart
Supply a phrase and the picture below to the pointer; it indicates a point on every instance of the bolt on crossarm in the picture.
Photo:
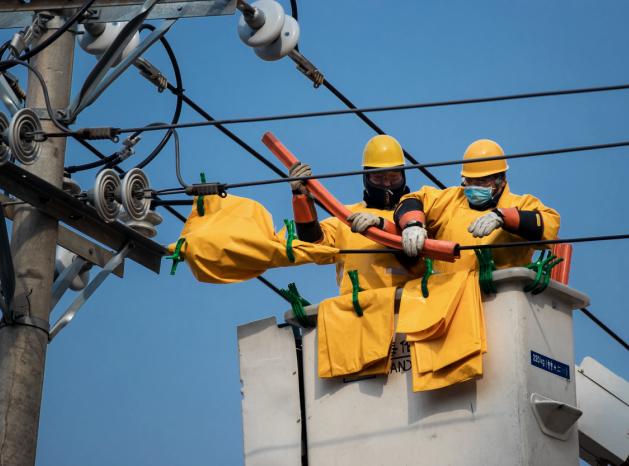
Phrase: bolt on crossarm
(24, 330)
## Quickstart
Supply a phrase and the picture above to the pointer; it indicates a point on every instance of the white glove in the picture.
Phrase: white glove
(299, 169)
(484, 225)
(413, 240)
(363, 220)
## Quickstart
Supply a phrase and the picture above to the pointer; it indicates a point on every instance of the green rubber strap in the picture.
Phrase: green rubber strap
(176, 256)
(547, 269)
(353, 276)
(297, 303)
(486, 266)
(427, 274)
(200, 203)
(290, 236)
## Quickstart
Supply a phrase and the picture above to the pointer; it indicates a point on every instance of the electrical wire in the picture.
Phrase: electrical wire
(115, 159)
(559, 151)
(516, 244)
(355, 110)
(604, 327)
(361, 114)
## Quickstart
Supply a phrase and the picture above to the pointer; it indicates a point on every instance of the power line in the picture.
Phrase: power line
(516, 244)
(359, 111)
(604, 327)
(559, 151)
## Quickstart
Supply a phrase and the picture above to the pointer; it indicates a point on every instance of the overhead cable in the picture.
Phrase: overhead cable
(354, 110)
(604, 327)
(516, 244)
(559, 151)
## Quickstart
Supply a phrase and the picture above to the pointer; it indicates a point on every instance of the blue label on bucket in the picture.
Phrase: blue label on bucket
(550, 365)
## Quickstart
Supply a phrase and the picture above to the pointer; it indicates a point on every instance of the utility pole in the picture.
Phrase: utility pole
(23, 342)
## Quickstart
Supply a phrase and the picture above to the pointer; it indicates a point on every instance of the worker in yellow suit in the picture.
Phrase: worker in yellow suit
(481, 211)
(382, 192)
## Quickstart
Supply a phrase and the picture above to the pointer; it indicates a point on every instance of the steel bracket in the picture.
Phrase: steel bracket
(63, 281)
(85, 294)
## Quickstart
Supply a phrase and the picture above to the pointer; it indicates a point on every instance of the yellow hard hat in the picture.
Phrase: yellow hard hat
(383, 151)
(480, 149)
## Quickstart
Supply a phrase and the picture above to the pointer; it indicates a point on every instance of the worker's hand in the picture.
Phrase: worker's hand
(363, 220)
(413, 240)
(484, 225)
(299, 169)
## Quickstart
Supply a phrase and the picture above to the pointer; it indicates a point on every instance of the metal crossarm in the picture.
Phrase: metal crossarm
(17, 13)
(83, 217)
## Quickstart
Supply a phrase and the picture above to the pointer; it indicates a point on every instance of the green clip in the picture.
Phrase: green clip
(200, 204)
(176, 257)
(290, 236)
(353, 276)
(297, 303)
(486, 268)
(542, 267)
(427, 274)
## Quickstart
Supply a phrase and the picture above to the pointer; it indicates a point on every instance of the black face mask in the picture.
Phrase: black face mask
(377, 197)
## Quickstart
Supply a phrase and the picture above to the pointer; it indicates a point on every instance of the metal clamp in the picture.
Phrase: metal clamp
(84, 295)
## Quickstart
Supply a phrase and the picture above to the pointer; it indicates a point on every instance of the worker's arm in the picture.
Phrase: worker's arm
(304, 212)
(410, 218)
(533, 222)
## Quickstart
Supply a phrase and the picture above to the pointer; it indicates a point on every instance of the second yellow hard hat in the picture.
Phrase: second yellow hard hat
(481, 149)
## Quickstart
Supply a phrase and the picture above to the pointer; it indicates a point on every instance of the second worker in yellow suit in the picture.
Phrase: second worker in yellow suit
(481, 211)
(382, 192)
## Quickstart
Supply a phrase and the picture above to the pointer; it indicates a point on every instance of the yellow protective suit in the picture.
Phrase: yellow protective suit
(374, 270)
(353, 345)
(446, 330)
(448, 216)
(235, 241)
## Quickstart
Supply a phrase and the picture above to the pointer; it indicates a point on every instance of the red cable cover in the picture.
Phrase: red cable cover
(435, 249)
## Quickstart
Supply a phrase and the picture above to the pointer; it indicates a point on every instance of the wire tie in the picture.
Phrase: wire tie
(177, 255)
(297, 303)
(200, 204)
(353, 276)
(427, 274)
(290, 236)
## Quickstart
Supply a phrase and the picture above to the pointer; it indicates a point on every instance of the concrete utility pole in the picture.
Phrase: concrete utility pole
(23, 344)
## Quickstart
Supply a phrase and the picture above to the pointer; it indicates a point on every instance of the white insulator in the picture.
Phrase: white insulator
(98, 44)
(5, 151)
(271, 28)
(134, 184)
(63, 260)
(21, 137)
(145, 227)
(284, 44)
(103, 196)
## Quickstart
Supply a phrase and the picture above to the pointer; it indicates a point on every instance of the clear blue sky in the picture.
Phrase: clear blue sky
(147, 373)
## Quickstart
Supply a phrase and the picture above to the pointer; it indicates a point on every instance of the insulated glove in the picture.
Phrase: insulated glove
(363, 220)
(299, 169)
(484, 225)
(413, 238)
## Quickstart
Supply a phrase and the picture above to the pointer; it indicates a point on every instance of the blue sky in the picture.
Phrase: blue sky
(147, 373)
